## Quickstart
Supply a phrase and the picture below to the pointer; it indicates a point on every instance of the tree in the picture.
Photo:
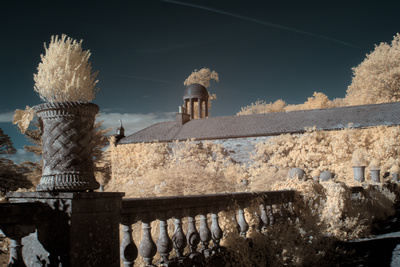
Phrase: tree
(260, 106)
(377, 78)
(203, 77)
(317, 101)
(35, 137)
(11, 176)
(6, 145)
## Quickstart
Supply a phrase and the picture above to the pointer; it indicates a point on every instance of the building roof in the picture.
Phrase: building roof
(269, 124)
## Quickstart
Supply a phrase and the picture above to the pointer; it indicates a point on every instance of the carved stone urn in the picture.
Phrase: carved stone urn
(67, 133)
(395, 177)
(375, 175)
(359, 173)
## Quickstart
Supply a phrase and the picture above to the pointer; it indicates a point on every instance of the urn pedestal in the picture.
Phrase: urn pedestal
(67, 133)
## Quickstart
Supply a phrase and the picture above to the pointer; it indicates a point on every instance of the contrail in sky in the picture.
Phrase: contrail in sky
(256, 21)
(141, 78)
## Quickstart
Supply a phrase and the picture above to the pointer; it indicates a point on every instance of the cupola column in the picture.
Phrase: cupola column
(191, 109)
(200, 104)
(185, 105)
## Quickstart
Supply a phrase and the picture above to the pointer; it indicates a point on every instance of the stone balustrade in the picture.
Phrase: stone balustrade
(205, 209)
(75, 228)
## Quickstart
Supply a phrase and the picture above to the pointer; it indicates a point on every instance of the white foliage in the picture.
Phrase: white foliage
(65, 73)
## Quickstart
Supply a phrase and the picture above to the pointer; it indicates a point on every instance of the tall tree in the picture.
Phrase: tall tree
(34, 136)
(377, 78)
(11, 175)
(203, 77)
(6, 145)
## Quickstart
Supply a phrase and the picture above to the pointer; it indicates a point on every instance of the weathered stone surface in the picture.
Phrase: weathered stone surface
(296, 173)
(359, 173)
(325, 176)
(67, 133)
(239, 149)
(376, 175)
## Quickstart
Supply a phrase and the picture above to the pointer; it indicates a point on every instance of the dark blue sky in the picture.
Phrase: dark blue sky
(144, 51)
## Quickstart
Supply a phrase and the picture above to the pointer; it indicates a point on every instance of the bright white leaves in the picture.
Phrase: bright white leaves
(377, 78)
(203, 77)
(65, 73)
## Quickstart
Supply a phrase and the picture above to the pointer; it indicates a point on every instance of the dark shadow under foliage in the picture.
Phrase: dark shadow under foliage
(12, 177)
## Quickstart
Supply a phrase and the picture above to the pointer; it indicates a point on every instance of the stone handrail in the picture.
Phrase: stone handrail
(274, 204)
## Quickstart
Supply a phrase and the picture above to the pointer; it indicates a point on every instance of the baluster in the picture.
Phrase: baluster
(243, 225)
(205, 236)
(179, 242)
(216, 232)
(292, 213)
(275, 212)
(147, 248)
(263, 224)
(280, 213)
(15, 252)
(128, 249)
(179, 238)
(193, 239)
(164, 243)
(15, 233)
(270, 214)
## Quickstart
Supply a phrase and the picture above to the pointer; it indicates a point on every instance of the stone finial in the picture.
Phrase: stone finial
(296, 173)
(121, 130)
(326, 176)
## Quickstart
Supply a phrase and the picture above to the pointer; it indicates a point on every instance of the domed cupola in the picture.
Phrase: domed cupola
(196, 93)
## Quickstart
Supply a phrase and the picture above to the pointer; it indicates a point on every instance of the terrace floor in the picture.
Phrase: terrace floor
(383, 249)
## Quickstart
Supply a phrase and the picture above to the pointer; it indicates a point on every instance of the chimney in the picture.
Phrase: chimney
(120, 132)
(182, 117)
